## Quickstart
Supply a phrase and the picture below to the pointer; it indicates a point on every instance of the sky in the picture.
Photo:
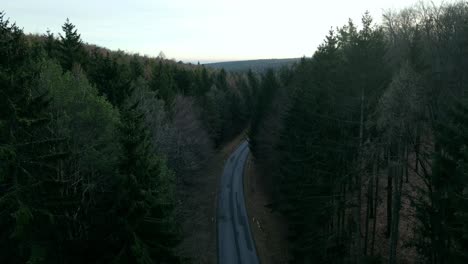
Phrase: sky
(199, 30)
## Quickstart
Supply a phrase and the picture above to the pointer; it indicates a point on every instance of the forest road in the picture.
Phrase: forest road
(235, 242)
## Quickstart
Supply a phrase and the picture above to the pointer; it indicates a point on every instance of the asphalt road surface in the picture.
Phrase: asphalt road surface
(235, 242)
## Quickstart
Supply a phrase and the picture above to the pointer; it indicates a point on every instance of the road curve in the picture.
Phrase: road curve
(235, 242)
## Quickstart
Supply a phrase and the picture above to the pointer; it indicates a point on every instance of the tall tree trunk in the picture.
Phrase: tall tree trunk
(338, 220)
(370, 207)
(389, 193)
(343, 211)
(366, 231)
(417, 146)
(398, 182)
(358, 220)
(371, 191)
(376, 199)
(406, 163)
(359, 182)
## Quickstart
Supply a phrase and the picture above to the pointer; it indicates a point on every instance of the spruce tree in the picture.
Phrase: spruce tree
(51, 45)
(71, 47)
(146, 202)
(29, 158)
(221, 80)
(266, 91)
(136, 68)
(443, 217)
(205, 82)
(162, 81)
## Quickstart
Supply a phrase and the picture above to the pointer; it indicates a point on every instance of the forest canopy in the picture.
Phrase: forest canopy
(364, 144)
(96, 144)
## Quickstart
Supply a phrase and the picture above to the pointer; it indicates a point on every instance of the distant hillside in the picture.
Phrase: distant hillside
(255, 65)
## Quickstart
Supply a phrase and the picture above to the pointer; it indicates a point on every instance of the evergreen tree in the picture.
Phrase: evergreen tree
(163, 82)
(146, 198)
(204, 82)
(111, 78)
(315, 144)
(213, 109)
(51, 45)
(71, 47)
(136, 68)
(183, 81)
(443, 229)
(29, 157)
(221, 80)
(98, 193)
(267, 89)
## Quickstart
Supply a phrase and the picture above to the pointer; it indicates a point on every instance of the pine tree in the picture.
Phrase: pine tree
(221, 80)
(136, 68)
(315, 145)
(183, 81)
(111, 78)
(145, 200)
(266, 91)
(162, 81)
(205, 82)
(51, 45)
(29, 157)
(443, 230)
(71, 47)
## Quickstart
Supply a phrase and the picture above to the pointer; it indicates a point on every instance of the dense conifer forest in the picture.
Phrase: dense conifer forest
(258, 66)
(95, 143)
(365, 143)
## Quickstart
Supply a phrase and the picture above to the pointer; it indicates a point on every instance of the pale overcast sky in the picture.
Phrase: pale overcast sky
(205, 30)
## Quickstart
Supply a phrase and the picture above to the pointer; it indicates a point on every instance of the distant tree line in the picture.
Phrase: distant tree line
(258, 66)
(371, 134)
(94, 145)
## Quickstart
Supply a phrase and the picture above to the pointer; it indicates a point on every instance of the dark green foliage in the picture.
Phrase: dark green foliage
(235, 115)
(317, 143)
(310, 152)
(136, 68)
(254, 84)
(81, 178)
(380, 102)
(221, 80)
(264, 97)
(205, 82)
(444, 216)
(163, 82)
(71, 50)
(146, 198)
(322, 128)
(182, 78)
(29, 158)
(111, 77)
(51, 45)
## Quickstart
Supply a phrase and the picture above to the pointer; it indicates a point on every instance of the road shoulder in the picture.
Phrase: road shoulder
(269, 228)
(197, 209)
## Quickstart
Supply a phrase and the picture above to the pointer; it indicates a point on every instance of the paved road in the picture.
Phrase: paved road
(235, 242)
